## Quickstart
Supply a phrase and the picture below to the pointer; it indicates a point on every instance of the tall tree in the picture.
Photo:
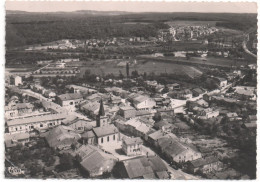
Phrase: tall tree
(127, 70)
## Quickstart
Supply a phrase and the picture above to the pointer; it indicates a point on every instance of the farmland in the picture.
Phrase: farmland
(111, 66)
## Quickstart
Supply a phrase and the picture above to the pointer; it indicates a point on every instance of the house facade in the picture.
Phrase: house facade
(132, 146)
(36, 122)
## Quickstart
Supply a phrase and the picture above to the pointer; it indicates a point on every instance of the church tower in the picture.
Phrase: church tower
(102, 119)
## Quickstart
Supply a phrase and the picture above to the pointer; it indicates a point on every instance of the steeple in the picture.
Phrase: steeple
(101, 109)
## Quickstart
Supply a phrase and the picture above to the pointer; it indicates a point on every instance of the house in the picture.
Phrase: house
(106, 135)
(17, 109)
(250, 126)
(94, 161)
(127, 112)
(49, 94)
(91, 109)
(232, 116)
(203, 103)
(204, 165)
(162, 102)
(42, 122)
(174, 86)
(221, 82)
(252, 118)
(151, 167)
(12, 140)
(142, 102)
(155, 136)
(252, 66)
(163, 125)
(177, 152)
(81, 126)
(132, 146)
(136, 128)
(245, 92)
(61, 137)
(16, 80)
(197, 92)
(69, 99)
(207, 113)
(182, 94)
(88, 137)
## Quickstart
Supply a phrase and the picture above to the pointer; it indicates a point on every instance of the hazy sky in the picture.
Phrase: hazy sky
(48, 6)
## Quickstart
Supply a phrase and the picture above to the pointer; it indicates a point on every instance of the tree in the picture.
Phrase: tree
(66, 162)
(127, 70)
(157, 117)
(165, 90)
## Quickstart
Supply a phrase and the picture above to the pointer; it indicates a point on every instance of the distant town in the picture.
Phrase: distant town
(179, 104)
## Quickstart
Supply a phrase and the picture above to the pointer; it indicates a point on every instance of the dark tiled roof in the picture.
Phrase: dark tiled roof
(105, 130)
(204, 161)
(70, 96)
(143, 167)
(130, 141)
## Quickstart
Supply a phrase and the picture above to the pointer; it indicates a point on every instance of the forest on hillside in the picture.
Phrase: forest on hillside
(35, 28)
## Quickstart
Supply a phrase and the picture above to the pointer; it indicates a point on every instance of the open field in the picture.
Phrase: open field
(110, 66)
(210, 61)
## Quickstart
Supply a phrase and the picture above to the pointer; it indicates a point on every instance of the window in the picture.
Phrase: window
(101, 140)
(180, 157)
(71, 103)
(114, 137)
(41, 125)
(108, 138)
(50, 124)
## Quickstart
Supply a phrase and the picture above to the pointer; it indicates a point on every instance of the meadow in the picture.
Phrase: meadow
(110, 66)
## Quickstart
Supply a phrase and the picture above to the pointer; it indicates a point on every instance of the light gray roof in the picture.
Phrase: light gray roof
(35, 119)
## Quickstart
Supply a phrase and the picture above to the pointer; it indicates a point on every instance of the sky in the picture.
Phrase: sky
(214, 7)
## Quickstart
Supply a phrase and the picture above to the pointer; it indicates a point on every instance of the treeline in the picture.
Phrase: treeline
(238, 25)
(19, 33)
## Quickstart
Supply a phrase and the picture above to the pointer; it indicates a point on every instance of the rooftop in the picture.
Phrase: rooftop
(35, 119)
(70, 96)
(131, 141)
(105, 130)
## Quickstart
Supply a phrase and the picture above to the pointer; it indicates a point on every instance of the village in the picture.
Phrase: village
(132, 127)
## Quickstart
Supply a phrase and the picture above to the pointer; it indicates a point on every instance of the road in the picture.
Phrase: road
(246, 49)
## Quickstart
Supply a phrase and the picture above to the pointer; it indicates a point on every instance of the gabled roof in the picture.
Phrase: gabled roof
(131, 141)
(171, 146)
(61, 135)
(105, 130)
(143, 167)
(70, 96)
(34, 119)
(19, 106)
(204, 161)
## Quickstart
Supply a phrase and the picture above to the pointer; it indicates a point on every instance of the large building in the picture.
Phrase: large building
(69, 100)
(17, 109)
(35, 122)
(151, 167)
